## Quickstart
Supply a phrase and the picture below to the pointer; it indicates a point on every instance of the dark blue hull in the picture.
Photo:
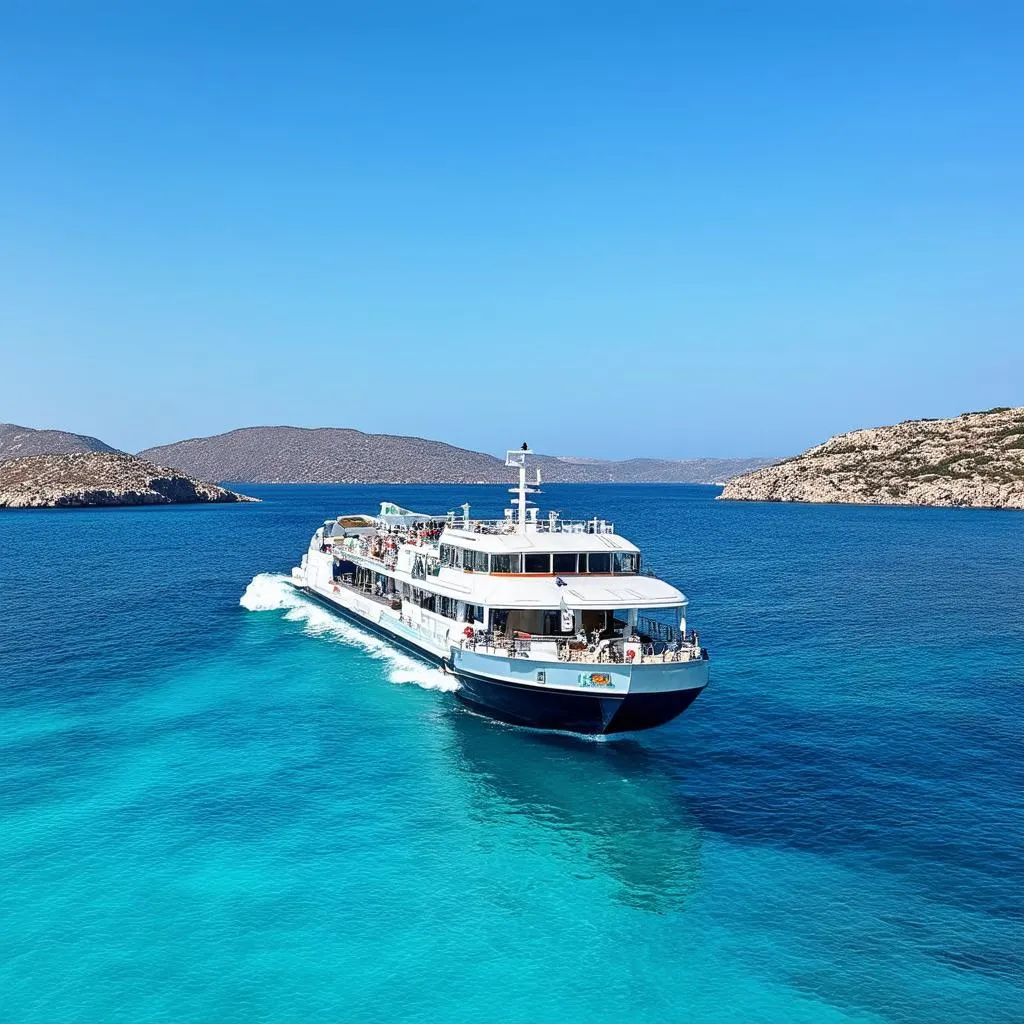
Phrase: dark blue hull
(543, 709)
(572, 712)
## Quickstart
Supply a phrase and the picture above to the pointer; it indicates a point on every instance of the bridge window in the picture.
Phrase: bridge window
(506, 563)
(627, 562)
(537, 563)
(563, 563)
(597, 561)
(476, 560)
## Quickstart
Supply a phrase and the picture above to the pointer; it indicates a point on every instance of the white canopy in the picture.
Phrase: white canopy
(395, 515)
(500, 542)
(578, 592)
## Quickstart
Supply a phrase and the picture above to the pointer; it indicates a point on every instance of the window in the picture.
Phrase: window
(536, 563)
(447, 554)
(627, 562)
(506, 563)
(563, 563)
(599, 561)
(479, 560)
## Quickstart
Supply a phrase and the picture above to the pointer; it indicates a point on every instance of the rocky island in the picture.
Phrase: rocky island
(975, 460)
(96, 478)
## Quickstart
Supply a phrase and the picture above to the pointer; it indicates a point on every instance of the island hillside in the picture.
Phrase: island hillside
(17, 442)
(340, 455)
(974, 460)
(100, 478)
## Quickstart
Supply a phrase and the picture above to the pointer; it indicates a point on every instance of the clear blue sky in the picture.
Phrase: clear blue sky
(613, 229)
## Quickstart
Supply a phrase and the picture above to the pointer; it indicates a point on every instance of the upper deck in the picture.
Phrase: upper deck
(521, 560)
(426, 551)
(549, 534)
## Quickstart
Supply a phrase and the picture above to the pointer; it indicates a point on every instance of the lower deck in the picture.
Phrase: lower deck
(601, 638)
(528, 692)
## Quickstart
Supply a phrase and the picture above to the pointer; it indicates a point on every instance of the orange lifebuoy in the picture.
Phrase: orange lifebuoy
(468, 632)
(630, 655)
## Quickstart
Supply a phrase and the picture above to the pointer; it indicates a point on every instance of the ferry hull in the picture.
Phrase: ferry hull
(532, 706)
(572, 712)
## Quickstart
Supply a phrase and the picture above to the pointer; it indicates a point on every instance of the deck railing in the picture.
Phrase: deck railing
(540, 526)
(658, 630)
(612, 650)
(347, 582)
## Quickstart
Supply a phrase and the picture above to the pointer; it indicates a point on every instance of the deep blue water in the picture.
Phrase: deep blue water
(209, 813)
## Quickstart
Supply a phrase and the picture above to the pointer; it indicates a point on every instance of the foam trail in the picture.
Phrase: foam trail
(267, 592)
(272, 592)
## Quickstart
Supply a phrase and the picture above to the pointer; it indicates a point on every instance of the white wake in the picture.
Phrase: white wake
(269, 592)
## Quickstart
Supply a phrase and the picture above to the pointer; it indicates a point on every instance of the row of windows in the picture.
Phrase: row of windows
(623, 562)
(446, 606)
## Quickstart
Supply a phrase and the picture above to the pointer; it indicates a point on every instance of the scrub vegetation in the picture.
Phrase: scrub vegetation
(975, 459)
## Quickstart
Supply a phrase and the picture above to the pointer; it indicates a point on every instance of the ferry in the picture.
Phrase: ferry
(546, 622)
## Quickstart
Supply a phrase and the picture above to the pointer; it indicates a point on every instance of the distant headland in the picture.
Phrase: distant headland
(341, 455)
(17, 442)
(974, 460)
(100, 478)
(329, 455)
(299, 455)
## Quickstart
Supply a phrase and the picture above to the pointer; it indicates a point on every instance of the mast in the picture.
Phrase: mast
(516, 458)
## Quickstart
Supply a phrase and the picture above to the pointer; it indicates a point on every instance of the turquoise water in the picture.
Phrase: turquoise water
(212, 813)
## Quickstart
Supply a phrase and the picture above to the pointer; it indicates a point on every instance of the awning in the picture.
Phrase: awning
(579, 592)
(395, 515)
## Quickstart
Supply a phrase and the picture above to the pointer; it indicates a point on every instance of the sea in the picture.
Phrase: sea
(221, 803)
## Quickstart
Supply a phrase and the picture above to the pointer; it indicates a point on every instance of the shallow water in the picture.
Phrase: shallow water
(218, 811)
